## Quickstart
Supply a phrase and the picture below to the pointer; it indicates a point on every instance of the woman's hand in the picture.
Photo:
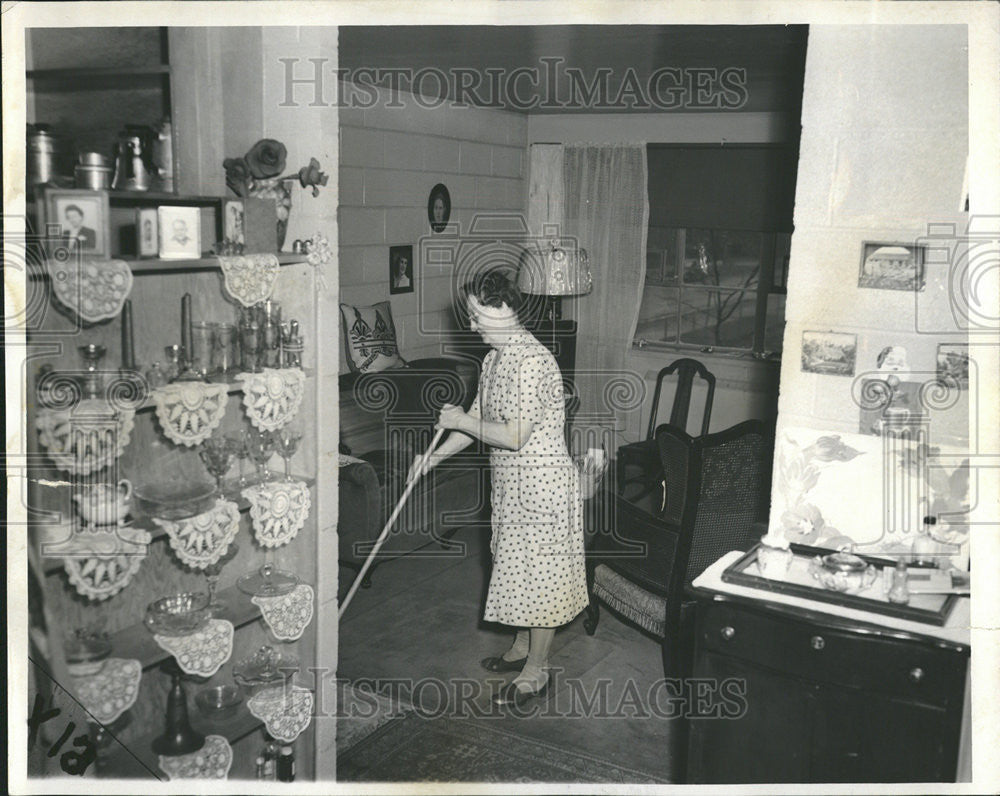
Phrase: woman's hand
(452, 418)
(416, 470)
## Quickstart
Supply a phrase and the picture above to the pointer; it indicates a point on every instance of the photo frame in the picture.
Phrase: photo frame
(76, 220)
(439, 207)
(180, 232)
(401, 269)
(829, 353)
(891, 266)
(147, 237)
(953, 364)
(234, 222)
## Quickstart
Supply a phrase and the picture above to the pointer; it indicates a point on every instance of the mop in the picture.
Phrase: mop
(385, 531)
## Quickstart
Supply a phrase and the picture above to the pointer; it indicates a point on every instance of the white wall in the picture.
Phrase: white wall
(390, 158)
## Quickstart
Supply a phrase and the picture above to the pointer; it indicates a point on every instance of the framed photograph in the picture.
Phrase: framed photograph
(232, 230)
(400, 269)
(439, 207)
(829, 353)
(147, 242)
(953, 364)
(77, 220)
(180, 232)
(891, 266)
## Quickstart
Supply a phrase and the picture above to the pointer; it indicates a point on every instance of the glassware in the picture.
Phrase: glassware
(250, 337)
(174, 355)
(271, 327)
(239, 444)
(155, 376)
(212, 573)
(287, 442)
(900, 590)
(224, 358)
(261, 447)
(202, 343)
(93, 382)
(217, 455)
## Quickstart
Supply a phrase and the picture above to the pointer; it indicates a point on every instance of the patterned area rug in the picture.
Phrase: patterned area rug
(417, 749)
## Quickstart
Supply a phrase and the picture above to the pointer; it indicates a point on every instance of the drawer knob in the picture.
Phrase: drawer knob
(916, 674)
(728, 632)
(817, 642)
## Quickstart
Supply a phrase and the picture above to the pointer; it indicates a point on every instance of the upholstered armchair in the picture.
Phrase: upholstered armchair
(716, 493)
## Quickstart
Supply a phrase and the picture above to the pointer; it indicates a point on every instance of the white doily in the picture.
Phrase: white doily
(101, 577)
(212, 761)
(190, 411)
(288, 615)
(285, 711)
(86, 438)
(278, 510)
(272, 397)
(250, 278)
(202, 540)
(94, 289)
(201, 653)
(111, 691)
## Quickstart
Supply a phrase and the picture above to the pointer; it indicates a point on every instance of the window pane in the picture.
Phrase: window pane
(722, 317)
(725, 258)
(658, 314)
(782, 252)
(775, 324)
(661, 256)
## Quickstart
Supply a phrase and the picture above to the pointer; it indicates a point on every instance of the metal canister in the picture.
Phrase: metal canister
(93, 172)
(42, 151)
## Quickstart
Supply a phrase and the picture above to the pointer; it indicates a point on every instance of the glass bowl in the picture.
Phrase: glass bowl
(179, 614)
(218, 701)
(86, 652)
(264, 669)
(174, 501)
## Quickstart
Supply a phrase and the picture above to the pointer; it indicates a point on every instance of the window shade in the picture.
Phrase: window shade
(728, 187)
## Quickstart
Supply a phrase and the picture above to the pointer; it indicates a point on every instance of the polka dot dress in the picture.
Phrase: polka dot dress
(539, 574)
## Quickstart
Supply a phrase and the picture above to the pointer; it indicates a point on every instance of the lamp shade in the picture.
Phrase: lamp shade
(559, 270)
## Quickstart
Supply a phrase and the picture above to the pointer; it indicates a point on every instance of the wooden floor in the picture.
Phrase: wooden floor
(421, 622)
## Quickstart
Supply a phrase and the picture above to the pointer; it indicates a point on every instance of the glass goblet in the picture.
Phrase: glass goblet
(217, 455)
(261, 447)
(239, 446)
(212, 573)
(287, 442)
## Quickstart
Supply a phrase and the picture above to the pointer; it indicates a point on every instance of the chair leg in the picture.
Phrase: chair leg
(593, 616)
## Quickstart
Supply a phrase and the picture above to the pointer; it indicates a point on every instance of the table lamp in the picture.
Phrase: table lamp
(560, 269)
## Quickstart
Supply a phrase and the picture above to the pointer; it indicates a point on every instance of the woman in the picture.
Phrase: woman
(538, 581)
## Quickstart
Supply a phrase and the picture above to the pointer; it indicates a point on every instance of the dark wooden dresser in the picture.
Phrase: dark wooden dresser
(809, 696)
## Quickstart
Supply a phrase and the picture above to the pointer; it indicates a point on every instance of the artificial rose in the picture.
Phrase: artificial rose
(237, 175)
(310, 176)
(266, 158)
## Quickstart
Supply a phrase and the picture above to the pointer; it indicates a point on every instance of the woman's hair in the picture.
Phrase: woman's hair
(493, 288)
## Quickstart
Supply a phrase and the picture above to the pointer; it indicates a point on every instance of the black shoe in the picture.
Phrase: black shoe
(501, 665)
(512, 696)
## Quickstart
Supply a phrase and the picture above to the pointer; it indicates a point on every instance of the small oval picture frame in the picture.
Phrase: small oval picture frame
(439, 207)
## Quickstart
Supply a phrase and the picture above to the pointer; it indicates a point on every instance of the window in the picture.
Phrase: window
(717, 249)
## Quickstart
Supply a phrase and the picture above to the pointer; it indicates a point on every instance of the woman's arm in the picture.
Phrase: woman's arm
(511, 435)
(457, 441)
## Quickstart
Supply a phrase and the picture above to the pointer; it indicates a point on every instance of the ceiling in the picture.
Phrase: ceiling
(773, 57)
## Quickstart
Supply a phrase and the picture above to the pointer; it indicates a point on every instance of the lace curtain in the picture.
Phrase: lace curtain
(606, 207)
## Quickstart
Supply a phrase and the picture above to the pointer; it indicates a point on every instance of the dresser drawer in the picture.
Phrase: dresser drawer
(903, 668)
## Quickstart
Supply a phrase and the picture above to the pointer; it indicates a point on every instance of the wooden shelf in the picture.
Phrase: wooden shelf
(54, 564)
(161, 198)
(233, 388)
(152, 265)
(96, 71)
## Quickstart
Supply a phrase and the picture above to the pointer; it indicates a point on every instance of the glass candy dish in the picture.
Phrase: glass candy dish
(86, 650)
(176, 501)
(179, 614)
(264, 669)
(268, 582)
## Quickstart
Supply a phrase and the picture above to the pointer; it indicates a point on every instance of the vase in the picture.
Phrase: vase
(277, 189)
(773, 559)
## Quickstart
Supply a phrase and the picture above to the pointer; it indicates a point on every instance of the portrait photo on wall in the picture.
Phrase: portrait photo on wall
(439, 207)
(146, 227)
(953, 364)
(77, 220)
(400, 269)
(180, 232)
(891, 266)
(233, 228)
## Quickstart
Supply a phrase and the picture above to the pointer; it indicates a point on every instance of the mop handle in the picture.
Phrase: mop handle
(385, 531)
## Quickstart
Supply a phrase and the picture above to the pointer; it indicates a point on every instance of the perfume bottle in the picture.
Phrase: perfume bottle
(900, 591)
(924, 549)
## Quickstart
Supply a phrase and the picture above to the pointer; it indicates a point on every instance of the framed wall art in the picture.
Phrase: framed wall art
(147, 224)
(829, 353)
(180, 232)
(953, 364)
(400, 269)
(439, 207)
(891, 266)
